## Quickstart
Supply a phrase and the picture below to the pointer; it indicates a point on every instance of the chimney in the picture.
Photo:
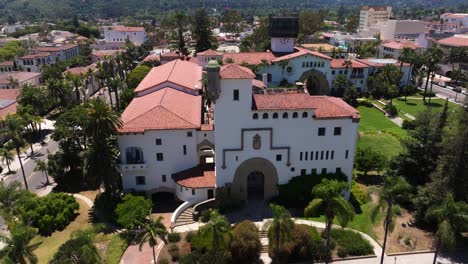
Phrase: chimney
(213, 78)
(265, 79)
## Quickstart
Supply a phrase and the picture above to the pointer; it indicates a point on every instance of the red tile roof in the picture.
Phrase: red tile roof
(324, 106)
(381, 62)
(233, 71)
(165, 109)
(210, 52)
(19, 76)
(182, 73)
(400, 45)
(152, 57)
(81, 70)
(301, 52)
(7, 63)
(249, 58)
(376, 8)
(128, 29)
(338, 64)
(258, 84)
(455, 41)
(207, 127)
(200, 176)
(35, 55)
(105, 53)
(9, 94)
(56, 48)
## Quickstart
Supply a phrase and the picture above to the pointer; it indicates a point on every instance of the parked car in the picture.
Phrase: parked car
(464, 92)
(442, 84)
(457, 89)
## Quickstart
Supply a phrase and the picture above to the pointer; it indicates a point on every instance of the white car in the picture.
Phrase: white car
(464, 92)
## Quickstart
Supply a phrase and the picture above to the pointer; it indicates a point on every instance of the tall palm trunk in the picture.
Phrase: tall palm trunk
(22, 169)
(328, 225)
(154, 254)
(427, 84)
(47, 177)
(277, 242)
(110, 96)
(215, 245)
(387, 223)
(436, 253)
(8, 165)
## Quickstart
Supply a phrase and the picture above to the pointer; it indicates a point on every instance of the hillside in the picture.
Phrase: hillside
(55, 9)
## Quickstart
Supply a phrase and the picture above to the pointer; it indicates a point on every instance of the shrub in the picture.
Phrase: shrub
(408, 124)
(366, 103)
(163, 261)
(361, 196)
(397, 210)
(297, 192)
(104, 207)
(173, 237)
(225, 202)
(428, 93)
(173, 250)
(79, 249)
(351, 243)
(391, 109)
(245, 245)
(132, 210)
(205, 215)
(51, 212)
(189, 236)
(368, 159)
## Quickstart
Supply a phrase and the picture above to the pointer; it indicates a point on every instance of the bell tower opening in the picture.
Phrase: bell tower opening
(283, 30)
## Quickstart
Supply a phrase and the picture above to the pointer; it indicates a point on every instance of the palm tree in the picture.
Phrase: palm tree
(100, 127)
(279, 229)
(394, 188)
(453, 56)
(114, 86)
(18, 248)
(218, 225)
(341, 82)
(432, 57)
(77, 82)
(42, 167)
(12, 130)
(328, 197)
(150, 232)
(347, 63)
(450, 216)
(283, 64)
(7, 157)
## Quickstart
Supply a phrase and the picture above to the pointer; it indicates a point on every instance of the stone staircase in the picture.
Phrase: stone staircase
(263, 235)
(185, 218)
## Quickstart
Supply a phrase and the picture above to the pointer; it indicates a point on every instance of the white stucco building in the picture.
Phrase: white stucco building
(373, 15)
(455, 18)
(46, 55)
(136, 35)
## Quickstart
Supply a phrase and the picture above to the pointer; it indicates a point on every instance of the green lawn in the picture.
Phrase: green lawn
(415, 106)
(374, 120)
(361, 222)
(384, 143)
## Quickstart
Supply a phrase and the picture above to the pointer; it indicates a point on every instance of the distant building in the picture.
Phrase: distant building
(393, 49)
(13, 80)
(453, 42)
(46, 55)
(98, 55)
(373, 15)
(460, 19)
(7, 66)
(90, 82)
(136, 35)
(8, 29)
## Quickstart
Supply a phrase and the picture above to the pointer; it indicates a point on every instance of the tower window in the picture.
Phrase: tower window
(158, 141)
(164, 177)
(337, 131)
(285, 115)
(189, 134)
(347, 153)
(235, 95)
(321, 131)
(295, 115)
(265, 116)
(185, 149)
(255, 116)
(275, 115)
(279, 157)
(140, 180)
(304, 115)
(159, 157)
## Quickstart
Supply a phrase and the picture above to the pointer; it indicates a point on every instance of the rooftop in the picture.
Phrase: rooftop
(35, 55)
(8, 102)
(128, 29)
(210, 52)
(455, 41)
(400, 45)
(178, 72)
(200, 176)
(165, 109)
(232, 71)
(324, 107)
(56, 48)
(339, 64)
(19, 76)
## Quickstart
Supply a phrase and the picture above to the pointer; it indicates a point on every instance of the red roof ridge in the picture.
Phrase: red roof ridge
(233, 71)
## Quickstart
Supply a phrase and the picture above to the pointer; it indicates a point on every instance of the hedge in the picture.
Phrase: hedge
(351, 243)
(245, 245)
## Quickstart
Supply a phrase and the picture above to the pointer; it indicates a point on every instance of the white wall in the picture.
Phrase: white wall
(111, 35)
(172, 149)
(185, 194)
(282, 44)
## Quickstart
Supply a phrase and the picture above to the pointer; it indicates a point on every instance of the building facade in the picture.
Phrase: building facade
(136, 35)
(372, 15)
(46, 55)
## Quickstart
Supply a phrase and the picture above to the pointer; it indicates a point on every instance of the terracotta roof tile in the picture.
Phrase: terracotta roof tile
(200, 176)
(232, 71)
(19, 76)
(105, 53)
(162, 110)
(207, 127)
(249, 58)
(128, 29)
(9, 94)
(455, 41)
(56, 48)
(152, 57)
(182, 73)
(338, 64)
(258, 83)
(35, 55)
(301, 52)
(400, 45)
(324, 106)
(7, 63)
(210, 52)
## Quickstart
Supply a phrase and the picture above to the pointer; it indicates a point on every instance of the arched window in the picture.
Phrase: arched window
(275, 115)
(255, 116)
(265, 116)
(134, 155)
(304, 114)
(307, 64)
(295, 115)
(285, 115)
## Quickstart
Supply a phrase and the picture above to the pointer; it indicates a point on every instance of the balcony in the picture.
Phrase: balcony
(133, 167)
(357, 76)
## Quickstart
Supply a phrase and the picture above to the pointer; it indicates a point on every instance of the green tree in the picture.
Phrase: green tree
(137, 75)
(230, 20)
(310, 22)
(7, 157)
(245, 245)
(352, 23)
(279, 229)
(368, 159)
(217, 226)
(79, 249)
(11, 199)
(181, 22)
(393, 190)
(341, 83)
(452, 219)
(351, 95)
(432, 57)
(14, 126)
(150, 231)
(100, 127)
(18, 248)
(201, 30)
(329, 198)
(132, 211)
(43, 167)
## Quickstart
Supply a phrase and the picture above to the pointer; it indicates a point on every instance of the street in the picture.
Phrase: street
(445, 93)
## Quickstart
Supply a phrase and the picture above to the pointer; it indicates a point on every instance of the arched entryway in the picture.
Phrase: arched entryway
(315, 82)
(205, 152)
(255, 178)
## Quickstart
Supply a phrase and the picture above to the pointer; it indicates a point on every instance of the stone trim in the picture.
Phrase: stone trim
(288, 160)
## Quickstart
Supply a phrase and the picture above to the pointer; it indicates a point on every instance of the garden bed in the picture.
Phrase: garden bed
(167, 253)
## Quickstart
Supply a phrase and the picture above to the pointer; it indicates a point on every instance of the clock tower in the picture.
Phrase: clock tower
(283, 31)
